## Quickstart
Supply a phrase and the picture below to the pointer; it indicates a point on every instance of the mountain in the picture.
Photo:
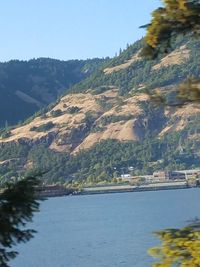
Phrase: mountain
(28, 86)
(108, 122)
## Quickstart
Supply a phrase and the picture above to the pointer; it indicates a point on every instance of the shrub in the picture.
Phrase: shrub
(5, 134)
(100, 90)
(73, 109)
(44, 127)
(56, 113)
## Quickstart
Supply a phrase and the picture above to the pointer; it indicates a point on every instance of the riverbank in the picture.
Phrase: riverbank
(107, 189)
(60, 191)
(131, 188)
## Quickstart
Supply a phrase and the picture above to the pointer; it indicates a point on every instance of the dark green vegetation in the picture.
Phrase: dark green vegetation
(105, 160)
(27, 86)
(140, 72)
(73, 110)
(43, 128)
(175, 17)
(17, 206)
(179, 247)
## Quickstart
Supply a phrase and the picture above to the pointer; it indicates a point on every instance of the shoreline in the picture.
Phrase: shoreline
(61, 191)
(95, 190)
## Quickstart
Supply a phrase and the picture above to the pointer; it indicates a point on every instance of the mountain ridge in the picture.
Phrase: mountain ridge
(107, 121)
(28, 86)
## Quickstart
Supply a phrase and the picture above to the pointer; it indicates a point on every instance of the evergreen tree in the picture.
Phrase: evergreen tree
(175, 18)
(17, 206)
(179, 247)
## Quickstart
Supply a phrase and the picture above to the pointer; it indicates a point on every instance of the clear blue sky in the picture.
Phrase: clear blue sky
(69, 29)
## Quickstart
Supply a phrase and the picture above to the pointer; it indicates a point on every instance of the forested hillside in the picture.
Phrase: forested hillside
(27, 86)
(108, 122)
(129, 71)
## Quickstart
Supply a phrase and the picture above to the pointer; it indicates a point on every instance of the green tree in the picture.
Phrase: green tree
(174, 18)
(17, 206)
(179, 247)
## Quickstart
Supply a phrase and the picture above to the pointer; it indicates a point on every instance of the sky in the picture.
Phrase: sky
(70, 29)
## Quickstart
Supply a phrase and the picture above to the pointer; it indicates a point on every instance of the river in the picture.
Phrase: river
(109, 230)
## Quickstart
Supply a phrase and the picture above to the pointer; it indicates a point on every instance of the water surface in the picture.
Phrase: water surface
(110, 230)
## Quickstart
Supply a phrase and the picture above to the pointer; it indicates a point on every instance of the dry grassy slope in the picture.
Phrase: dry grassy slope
(71, 132)
(122, 130)
(179, 118)
(125, 65)
(66, 123)
(176, 57)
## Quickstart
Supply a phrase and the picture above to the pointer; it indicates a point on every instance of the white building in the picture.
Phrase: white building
(125, 176)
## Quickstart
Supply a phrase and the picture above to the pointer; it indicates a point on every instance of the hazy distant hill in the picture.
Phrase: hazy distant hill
(107, 123)
(27, 86)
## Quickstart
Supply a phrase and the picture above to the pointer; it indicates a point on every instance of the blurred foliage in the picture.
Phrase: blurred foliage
(141, 73)
(18, 203)
(176, 17)
(186, 92)
(180, 247)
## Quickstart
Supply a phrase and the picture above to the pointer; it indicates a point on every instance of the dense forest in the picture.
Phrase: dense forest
(103, 162)
(27, 86)
(140, 72)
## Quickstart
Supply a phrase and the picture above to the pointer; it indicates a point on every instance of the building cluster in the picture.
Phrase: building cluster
(163, 176)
